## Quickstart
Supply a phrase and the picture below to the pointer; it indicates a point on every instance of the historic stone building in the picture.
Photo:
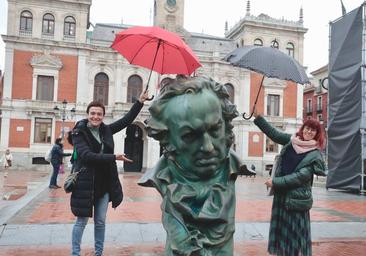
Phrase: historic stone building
(316, 96)
(53, 55)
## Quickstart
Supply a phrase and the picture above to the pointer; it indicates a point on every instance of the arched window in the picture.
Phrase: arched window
(258, 42)
(290, 49)
(48, 25)
(274, 44)
(134, 88)
(69, 26)
(26, 20)
(230, 90)
(101, 84)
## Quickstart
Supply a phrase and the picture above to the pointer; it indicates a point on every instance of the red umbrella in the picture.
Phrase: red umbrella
(156, 49)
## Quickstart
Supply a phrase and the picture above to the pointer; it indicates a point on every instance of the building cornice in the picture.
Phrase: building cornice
(56, 44)
(266, 22)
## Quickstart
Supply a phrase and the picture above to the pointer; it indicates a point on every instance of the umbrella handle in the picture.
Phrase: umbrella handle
(151, 98)
(255, 102)
(247, 118)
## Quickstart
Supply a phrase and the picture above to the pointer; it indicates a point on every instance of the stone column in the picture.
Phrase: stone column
(82, 90)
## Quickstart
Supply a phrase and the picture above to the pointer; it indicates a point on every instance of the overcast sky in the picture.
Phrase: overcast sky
(209, 16)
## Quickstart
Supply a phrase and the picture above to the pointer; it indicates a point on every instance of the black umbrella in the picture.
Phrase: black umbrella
(270, 62)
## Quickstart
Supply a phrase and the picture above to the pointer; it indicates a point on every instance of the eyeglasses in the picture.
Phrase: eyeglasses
(309, 129)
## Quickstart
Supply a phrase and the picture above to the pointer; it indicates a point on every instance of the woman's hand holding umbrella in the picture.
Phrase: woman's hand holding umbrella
(144, 96)
(255, 113)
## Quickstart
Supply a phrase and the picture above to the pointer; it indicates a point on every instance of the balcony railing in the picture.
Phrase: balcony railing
(69, 38)
(48, 36)
(26, 33)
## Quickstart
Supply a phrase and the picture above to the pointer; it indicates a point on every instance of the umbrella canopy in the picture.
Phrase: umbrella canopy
(156, 49)
(269, 62)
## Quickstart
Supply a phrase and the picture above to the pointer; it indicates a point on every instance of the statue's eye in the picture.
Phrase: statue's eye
(189, 137)
(215, 130)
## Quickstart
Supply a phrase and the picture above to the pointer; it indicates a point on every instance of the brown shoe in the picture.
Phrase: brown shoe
(52, 186)
(58, 186)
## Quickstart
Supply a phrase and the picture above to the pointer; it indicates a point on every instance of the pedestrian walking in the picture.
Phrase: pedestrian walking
(57, 155)
(299, 160)
(7, 160)
(98, 182)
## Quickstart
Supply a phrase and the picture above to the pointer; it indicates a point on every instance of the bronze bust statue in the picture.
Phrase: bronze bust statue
(191, 118)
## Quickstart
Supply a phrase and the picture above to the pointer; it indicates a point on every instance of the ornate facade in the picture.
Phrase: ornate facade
(53, 55)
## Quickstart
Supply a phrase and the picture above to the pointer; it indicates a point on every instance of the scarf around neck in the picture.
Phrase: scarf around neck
(303, 146)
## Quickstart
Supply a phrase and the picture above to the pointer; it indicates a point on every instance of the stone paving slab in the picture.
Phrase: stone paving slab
(142, 205)
(40, 223)
(137, 233)
(247, 248)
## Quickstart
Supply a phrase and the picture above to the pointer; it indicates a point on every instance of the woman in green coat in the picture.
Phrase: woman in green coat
(299, 160)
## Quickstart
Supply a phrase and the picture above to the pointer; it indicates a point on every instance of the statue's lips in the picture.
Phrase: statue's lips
(206, 161)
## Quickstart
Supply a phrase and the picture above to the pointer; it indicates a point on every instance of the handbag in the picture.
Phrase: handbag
(70, 182)
(61, 169)
(71, 179)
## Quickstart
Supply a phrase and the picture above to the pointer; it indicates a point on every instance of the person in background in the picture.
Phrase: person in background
(98, 182)
(7, 160)
(57, 154)
(299, 160)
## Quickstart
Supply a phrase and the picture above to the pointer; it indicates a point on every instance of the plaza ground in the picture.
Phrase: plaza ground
(37, 220)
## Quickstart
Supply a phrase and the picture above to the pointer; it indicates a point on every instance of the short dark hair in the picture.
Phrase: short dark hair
(95, 104)
(69, 138)
(58, 141)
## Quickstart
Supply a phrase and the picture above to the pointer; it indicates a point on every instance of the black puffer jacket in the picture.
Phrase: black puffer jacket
(90, 160)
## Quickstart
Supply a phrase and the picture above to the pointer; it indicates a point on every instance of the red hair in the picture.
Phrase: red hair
(313, 124)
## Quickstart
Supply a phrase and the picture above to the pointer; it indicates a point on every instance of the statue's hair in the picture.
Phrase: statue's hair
(156, 126)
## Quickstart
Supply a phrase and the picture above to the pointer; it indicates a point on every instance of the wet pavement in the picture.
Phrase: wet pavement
(37, 220)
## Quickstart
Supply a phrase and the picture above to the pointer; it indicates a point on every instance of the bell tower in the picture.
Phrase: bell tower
(169, 14)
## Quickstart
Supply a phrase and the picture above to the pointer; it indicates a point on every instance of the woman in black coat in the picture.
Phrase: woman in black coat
(98, 182)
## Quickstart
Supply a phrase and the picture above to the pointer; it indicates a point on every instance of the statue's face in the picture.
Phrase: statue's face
(197, 131)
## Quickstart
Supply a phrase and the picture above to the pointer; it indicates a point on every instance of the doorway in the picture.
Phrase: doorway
(134, 148)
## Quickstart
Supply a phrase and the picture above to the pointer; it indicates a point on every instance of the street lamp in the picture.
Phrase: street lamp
(63, 115)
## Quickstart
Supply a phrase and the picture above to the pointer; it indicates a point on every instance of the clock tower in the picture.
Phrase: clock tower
(169, 14)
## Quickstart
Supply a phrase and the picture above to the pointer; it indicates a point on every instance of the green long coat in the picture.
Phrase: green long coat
(290, 233)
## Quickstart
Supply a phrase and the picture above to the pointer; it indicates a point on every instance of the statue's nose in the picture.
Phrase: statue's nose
(207, 145)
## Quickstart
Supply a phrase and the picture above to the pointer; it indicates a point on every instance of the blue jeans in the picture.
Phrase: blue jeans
(53, 180)
(100, 213)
